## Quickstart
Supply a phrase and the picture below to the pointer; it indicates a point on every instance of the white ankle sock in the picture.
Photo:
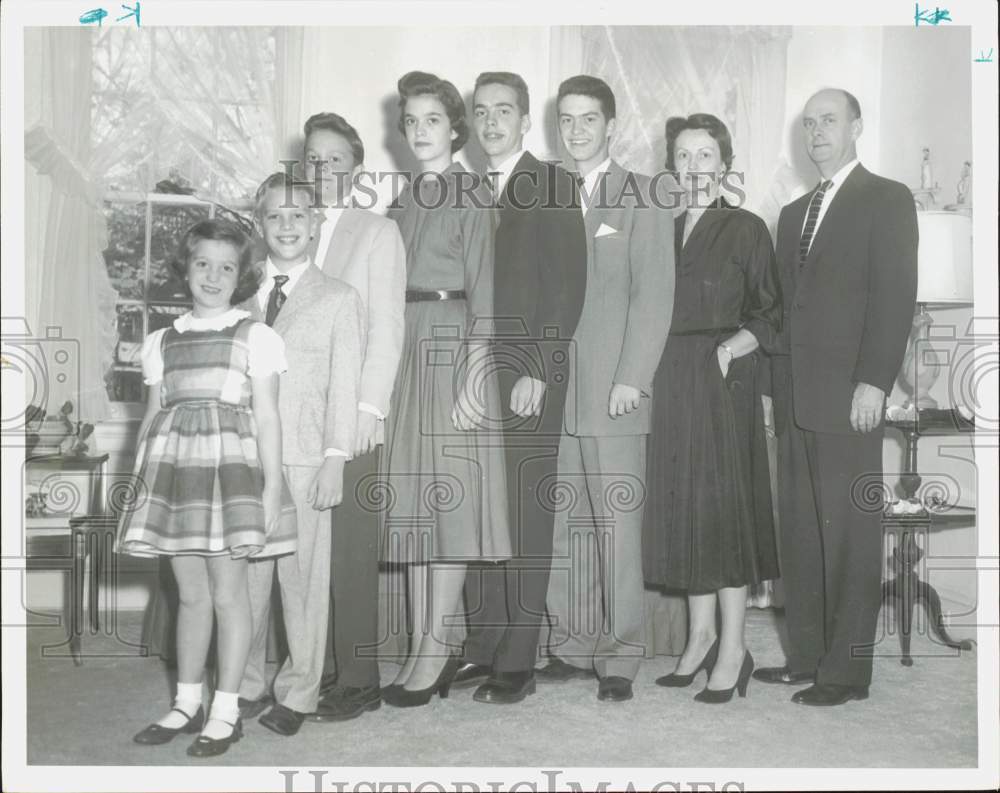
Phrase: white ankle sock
(188, 700)
(225, 711)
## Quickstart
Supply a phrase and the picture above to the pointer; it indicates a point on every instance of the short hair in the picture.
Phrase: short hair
(706, 121)
(218, 230)
(331, 122)
(510, 80)
(594, 87)
(284, 181)
(425, 84)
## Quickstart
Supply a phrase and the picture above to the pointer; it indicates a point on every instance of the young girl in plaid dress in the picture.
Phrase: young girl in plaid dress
(208, 470)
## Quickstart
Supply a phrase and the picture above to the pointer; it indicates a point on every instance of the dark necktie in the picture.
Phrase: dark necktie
(276, 300)
(811, 217)
(493, 182)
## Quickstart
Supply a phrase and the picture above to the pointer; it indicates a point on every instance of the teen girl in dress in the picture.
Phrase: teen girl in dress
(210, 491)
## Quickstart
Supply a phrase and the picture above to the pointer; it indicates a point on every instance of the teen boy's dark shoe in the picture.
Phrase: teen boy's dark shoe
(282, 720)
(782, 674)
(829, 694)
(469, 675)
(558, 671)
(614, 689)
(252, 708)
(155, 734)
(347, 703)
(506, 688)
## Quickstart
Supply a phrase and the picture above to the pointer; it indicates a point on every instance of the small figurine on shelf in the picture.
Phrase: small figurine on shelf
(56, 434)
(926, 173)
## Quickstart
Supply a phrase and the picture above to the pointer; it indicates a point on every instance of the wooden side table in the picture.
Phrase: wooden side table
(86, 539)
(906, 588)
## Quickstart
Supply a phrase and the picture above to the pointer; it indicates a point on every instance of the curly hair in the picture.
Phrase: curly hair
(425, 84)
(706, 121)
(219, 231)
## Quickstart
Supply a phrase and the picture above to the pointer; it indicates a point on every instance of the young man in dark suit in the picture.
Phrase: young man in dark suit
(540, 275)
(847, 252)
(596, 593)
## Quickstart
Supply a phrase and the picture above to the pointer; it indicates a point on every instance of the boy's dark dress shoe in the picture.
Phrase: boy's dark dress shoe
(252, 708)
(469, 675)
(506, 688)
(614, 689)
(782, 674)
(282, 720)
(347, 703)
(211, 747)
(829, 694)
(155, 734)
(558, 671)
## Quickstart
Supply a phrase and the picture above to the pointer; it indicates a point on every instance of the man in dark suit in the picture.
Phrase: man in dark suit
(540, 275)
(847, 252)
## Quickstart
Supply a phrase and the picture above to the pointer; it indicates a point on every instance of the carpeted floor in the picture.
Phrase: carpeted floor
(922, 716)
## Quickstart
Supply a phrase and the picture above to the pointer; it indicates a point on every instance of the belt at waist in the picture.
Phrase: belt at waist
(705, 331)
(417, 295)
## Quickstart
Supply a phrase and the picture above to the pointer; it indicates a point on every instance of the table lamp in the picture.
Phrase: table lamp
(944, 273)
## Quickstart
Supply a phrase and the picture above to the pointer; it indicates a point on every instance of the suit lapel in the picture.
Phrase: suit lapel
(526, 163)
(836, 221)
(606, 193)
(299, 297)
(340, 242)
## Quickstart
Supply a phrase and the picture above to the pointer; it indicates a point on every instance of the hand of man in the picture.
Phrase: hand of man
(367, 426)
(867, 407)
(327, 487)
(623, 400)
(526, 396)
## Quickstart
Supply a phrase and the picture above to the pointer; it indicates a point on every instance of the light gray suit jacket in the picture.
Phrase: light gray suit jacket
(321, 324)
(366, 251)
(628, 304)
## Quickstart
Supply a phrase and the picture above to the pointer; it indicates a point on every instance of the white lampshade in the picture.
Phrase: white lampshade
(944, 258)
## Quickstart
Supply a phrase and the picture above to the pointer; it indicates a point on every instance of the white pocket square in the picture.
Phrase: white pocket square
(604, 230)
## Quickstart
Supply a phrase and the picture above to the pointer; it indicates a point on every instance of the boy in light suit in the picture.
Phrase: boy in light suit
(320, 320)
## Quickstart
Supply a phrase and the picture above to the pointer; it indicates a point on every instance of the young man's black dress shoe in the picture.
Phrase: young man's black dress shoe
(347, 703)
(829, 694)
(212, 747)
(558, 671)
(614, 689)
(782, 674)
(282, 720)
(469, 675)
(252, 708)
(155, 734)
(506, 688)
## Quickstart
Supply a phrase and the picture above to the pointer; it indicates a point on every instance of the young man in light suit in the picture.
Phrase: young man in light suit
(366, 251)
(596, 595)
(539, 281)
(320, 320)
(847, 255)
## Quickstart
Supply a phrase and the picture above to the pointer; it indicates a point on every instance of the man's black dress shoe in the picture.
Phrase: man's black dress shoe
(829, 694)
(155, 734)
(212, 747)
(282, 720)
(782, 674)
(614, 689)
(558, 671)
(469, 675)
(252, 708)
(347, 703)
(506, 688)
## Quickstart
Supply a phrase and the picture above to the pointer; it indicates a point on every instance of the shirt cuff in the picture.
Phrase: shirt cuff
(369, 408)
(335, 453)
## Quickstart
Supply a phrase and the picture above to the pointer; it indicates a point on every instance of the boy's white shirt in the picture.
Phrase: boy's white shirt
(264, 294)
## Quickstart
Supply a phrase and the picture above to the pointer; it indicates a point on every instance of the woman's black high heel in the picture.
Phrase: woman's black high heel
(674, 680)
(204, 746)
(156, 734)
(719, 696)
(404, 698)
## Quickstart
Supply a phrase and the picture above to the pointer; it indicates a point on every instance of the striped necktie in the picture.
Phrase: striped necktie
(811, 217)
(276, 299)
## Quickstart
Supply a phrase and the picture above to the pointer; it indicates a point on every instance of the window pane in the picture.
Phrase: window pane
(170, 222)
(126, 252)
(125, 385)
(163, 316)
(129, 334)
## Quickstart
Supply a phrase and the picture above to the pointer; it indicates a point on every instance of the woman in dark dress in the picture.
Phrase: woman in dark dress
(708, 525)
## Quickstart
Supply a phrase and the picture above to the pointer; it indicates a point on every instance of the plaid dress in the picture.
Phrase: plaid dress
(198, 474)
